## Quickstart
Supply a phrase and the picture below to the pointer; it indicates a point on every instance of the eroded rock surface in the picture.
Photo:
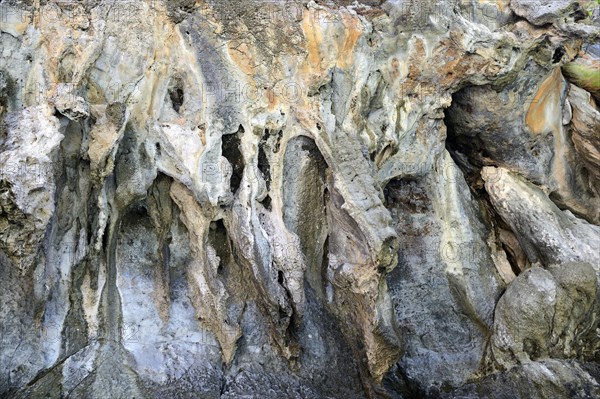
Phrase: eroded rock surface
(333, 199)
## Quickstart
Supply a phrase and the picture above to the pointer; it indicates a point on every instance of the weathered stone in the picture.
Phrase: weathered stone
(584, 71)
(254, 198)
(521, 128)
(547, 314)
(540, 12)
(547, 234)
(585, 125)
(537, 380)
(447, 274)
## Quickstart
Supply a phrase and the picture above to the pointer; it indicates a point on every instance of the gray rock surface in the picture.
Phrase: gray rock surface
(538, 380)
(540, 12)
(546, 314)
(299, 199)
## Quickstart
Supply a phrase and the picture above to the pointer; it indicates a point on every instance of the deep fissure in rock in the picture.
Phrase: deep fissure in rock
(231, 150)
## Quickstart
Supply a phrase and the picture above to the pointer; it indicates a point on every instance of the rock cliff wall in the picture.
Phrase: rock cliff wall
(292, 199)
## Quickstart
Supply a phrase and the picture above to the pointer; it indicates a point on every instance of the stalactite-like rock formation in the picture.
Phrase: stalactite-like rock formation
(292, 199)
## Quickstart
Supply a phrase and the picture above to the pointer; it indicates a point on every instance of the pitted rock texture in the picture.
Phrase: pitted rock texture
(299, 199)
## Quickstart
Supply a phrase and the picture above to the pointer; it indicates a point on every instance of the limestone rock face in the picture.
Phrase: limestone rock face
(332, 199)
(540, 12)
(584, 133)
(546, 314)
